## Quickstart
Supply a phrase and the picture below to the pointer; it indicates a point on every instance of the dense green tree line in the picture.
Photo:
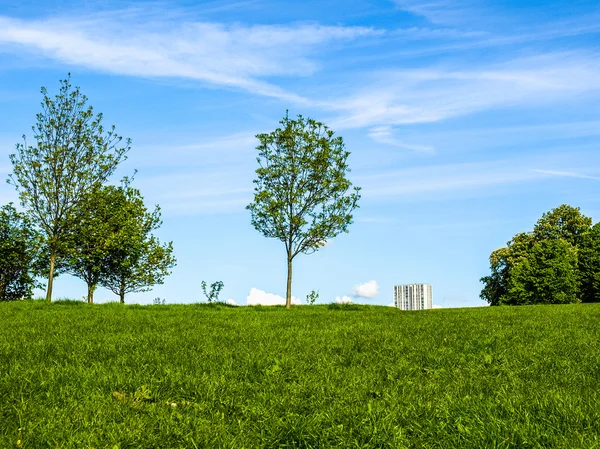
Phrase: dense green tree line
(73, 221)
(557, 263)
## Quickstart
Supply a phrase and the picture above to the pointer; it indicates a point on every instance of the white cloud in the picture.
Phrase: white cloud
(435, 306)
(433, 94)
(259, 297)
(132, 44)
(231, 302)
(343, 299)
(385, 135)
(367, 290)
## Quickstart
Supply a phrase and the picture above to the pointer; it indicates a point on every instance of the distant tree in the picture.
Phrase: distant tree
(215, 289)
(513, 267)
(73, 155)
(18, 249)
(135, 260)
(302, 195)
(502, 260)
(589, 265)
(563, 222)
(546, 275)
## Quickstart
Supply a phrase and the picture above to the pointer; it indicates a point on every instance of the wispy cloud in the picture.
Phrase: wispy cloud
(445, 12)
(439, 93)
(386, 136)
(567, 174)
(199, 192)
(229, 55)
(434, 180)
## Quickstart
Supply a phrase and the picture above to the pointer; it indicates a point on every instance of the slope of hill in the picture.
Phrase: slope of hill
(192, 376)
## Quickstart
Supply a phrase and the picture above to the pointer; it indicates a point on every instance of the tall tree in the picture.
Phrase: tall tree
(135, 260)
(546, 275)
(302, 195)
(589, 265)
(73, 155)
(563, 222)
(18, 249)
(529, 261)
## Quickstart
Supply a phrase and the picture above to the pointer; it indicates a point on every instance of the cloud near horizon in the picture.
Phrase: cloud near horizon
(261, 298)
(343, 299)
(367, 290)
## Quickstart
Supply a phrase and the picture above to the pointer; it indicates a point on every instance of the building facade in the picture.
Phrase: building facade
(413, 296)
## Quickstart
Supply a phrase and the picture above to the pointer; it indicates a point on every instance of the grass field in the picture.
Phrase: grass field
(196, 376)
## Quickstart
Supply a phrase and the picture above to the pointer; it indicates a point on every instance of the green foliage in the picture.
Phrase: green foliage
(302, 195)
(543, 266)
(589, 265)
(119, 376)
(129, 258)
(215, 289)
(312, 297)
(546, 275)
(564, 222)
(18, 249)
(73, 155)
(94, 233)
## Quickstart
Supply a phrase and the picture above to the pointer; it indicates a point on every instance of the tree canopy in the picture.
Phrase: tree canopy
(302, 195)
(556, 263)
(73, 154)
(19, 245)
(135, 260)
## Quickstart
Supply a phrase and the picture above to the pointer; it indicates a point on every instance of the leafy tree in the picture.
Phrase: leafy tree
(18, 248)
(95, 233)
(546, 275)
(563, 222)
(73, 155)
(215, 289)
(302, 195)
(135, 259)
(495, 290)
(589, 265)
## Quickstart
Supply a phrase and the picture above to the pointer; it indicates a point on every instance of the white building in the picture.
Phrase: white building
(413, 296)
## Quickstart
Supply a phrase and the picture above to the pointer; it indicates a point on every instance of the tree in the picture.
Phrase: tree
(18, 248)
(589, 265)
(94, 233)
(511, 267)
(302, 195)
(502, 260)
(135, 260)
(563, 222)
(546, 275)
(73, 155)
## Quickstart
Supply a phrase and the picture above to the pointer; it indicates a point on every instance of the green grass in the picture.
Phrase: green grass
(174, 376)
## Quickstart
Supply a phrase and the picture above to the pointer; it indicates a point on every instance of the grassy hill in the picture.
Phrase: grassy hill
(175, 376)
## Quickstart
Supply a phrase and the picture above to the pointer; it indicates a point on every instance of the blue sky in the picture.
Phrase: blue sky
(466, 120)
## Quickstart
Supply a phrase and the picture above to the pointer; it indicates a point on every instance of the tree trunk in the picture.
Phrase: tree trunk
(288, 295)
(122, 292)
(90, 295)
(50, 277)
